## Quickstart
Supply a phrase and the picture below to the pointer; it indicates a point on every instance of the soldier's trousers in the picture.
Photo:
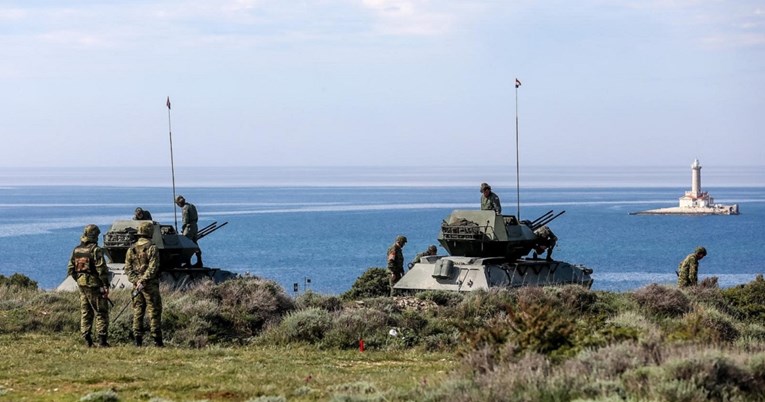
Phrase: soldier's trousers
(148, 300)
(92, 305)
(393, 277)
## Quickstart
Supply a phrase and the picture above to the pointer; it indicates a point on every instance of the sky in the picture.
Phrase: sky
(382, 83)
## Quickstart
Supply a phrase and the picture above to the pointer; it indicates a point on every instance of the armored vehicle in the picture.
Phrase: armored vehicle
(487, 250)
(175, 252)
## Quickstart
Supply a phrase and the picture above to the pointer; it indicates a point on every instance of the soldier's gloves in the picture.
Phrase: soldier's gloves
(105, 292)
(139, 286)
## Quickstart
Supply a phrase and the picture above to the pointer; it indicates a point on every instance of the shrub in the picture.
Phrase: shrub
(747, 302)
(441, 297)
(310, 299)
(372, 283)
(707, 325)
(662, 301)
(308, 326)
(351, 325)
(19, 281)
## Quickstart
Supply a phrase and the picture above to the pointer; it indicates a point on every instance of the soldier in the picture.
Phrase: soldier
(432, 250)
(489, 200)
(545, 240)
(88, 268)
(142, 269)
(688, 271)
(141, 215)
(190, 228)
(396, 261)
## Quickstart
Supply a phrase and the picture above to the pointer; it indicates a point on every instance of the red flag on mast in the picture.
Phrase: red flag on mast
(168, 101)
(517, 84)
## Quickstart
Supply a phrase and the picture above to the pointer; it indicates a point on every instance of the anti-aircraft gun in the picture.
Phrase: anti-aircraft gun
(487, 250)
(175, 252)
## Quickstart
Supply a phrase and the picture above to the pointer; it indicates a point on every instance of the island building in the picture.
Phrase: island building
(694, 202)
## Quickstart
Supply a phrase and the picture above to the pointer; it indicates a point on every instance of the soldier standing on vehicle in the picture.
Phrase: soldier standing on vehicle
(190, 229)
(142, 270)
(87, 267)
(688, 271)
(489, 200)
(142, 215)
(396, 261)
(432, 250)
(545, 240)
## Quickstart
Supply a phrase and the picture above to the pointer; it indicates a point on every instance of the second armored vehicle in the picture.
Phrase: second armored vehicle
(487, 250)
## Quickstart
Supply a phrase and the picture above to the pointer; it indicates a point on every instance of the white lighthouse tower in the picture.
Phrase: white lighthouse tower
(694, 202)
(696, 198)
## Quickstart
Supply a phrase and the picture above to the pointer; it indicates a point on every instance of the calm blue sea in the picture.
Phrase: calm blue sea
(330, 224)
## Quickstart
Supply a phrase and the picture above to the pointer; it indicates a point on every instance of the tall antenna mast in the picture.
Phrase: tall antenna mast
(172, 163)
(517, 158)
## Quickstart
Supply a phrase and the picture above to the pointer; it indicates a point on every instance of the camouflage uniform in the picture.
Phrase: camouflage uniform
(688, 270)
(190, 229)
(545, 240)
(142, 215)
(142, 269)
(490, 202)
(87, 267)
(396, 261)
(432, 250)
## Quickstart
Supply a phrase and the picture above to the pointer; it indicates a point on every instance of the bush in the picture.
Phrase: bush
(442, 297)
(307, 326)
(310, 299)
(747, 302)
(372, 283)
(662, 301)
(19, 281)
(363, 323)
(707, 325)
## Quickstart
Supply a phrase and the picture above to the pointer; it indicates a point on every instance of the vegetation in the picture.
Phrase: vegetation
(247, 340)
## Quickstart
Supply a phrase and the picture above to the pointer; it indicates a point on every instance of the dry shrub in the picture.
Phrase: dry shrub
(442, 297)
(479, 305)
(28, 309)
(707, 325)
(234, 310)
(351, 325)
(662, 301)
(577, 298)
(715, 377)
(308, 326)
(310, 299)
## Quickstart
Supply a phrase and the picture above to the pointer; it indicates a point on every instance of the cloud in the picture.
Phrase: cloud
(409, 17)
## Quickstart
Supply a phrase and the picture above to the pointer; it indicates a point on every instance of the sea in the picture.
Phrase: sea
(320, 228)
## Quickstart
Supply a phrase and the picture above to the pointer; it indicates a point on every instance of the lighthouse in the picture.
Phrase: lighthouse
(694, 202)
(696, 178)
(696, 198)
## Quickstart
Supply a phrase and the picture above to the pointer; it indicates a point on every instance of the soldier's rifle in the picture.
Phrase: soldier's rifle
(133, 294)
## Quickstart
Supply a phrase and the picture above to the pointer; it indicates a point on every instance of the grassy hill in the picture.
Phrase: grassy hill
(246, 339)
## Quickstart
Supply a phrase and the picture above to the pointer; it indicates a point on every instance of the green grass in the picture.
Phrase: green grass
(59, 368)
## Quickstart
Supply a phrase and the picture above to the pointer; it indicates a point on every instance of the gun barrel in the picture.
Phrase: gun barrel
(548, 213)
(210, 230)
(546, 221)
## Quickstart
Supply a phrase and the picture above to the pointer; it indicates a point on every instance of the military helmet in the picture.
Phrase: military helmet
(139, 209)
(485, 186)
(701, 250)
(432, 248)
(401, 239)
(91, 231)
(179, 198)
(144, 229)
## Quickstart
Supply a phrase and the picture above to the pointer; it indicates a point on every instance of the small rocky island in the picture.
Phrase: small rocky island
(694, 202)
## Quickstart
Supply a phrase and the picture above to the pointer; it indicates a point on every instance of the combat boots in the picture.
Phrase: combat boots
(102, 341)
(138, 340)
(88, 340)
(158, 342)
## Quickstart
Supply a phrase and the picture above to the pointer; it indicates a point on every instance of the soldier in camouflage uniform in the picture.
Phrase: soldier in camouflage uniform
(432, 250)
(190, 229)
(396, 261)
(489, 200)
(142, 215)
(688, 271)
(87, 267)
(142, 269)
(545, 240)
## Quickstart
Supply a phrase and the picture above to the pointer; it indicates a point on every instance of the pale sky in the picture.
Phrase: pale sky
(382, 82)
